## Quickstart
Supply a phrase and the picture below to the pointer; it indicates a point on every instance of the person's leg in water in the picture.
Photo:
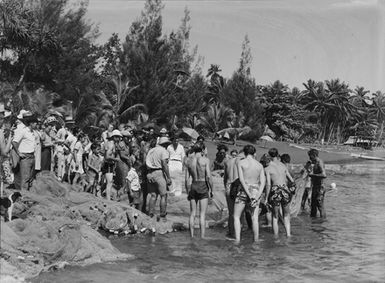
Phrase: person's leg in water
(305, 198)
(248, 218)
(230, 208)
(286, 219)
(255, 223)
(193, 211)
(109, 181)
(314, 203)
(203, 203)
(276, 210)
(320, 203)
(238, 209)
(269, 219)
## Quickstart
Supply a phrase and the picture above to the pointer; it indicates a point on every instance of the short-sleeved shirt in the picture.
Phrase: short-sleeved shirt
(26, 140)
(155, 156)
(133, 179)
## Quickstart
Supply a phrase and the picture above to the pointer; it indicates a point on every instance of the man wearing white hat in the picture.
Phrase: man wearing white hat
(158, 176)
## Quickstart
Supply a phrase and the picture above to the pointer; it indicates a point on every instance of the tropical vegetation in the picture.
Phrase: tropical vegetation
(49, 59)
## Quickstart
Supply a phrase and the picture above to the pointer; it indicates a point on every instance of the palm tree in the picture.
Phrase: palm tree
(359, 97)
(217, 117)
(316, 99)
(93, 109)
(378, 110)
(122, 92)
(216, 86)
(342, 110)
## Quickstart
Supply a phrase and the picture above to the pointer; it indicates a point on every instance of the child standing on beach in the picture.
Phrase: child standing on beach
(133, 188)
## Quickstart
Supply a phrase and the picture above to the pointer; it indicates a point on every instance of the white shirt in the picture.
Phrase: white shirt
(25, 138)
(178, 154)
(61, 134)
(71, 141)
(133, 179)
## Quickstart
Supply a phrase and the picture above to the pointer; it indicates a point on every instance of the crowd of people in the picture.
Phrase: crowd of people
(145, 166)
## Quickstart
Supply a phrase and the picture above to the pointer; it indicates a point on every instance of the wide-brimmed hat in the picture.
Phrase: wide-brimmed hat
(126, 133)
(164, 140)
(7, 114)
(29, 117)
(50, 120)
(116, 133)
(163, 131)
(22, 113)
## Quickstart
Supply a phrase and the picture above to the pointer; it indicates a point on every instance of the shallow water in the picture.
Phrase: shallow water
(348, 247)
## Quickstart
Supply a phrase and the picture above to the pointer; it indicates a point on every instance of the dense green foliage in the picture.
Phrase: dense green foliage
(49, 57)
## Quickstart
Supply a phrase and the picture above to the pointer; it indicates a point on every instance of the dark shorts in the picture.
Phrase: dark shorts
(108, 167)
(280, 195)
(156, 182)
(199, 190)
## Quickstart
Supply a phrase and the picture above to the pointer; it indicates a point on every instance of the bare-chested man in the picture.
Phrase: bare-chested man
(229, 177)
(277, 192)
(318, 190)
(198, 168)
(252, 179)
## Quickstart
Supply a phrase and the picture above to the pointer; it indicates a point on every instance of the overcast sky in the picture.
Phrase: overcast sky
(291, 40)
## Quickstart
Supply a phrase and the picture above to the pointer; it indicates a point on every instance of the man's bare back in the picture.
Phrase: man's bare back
(251, 170)
(276, 172)
(229, 171)
(197, 167)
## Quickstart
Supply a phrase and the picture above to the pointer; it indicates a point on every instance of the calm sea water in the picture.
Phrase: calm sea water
(348, 247)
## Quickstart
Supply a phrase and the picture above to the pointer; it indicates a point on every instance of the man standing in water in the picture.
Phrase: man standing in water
(318, 189)
(229, 177)
(201, 187)
(277, 192)
(252, 179)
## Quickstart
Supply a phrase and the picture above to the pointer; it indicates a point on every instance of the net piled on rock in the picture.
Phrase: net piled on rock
(57, 225)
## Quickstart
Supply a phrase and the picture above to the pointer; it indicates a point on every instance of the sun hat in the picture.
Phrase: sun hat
(28, 117)
(126, 133)
(164, 140)
(163, 131)
(50, 120)
(116, 133)
(7, 114)
(22, 113)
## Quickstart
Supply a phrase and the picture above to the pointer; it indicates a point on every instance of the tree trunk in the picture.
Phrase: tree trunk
(331, 132)
(338, 134)
(382, 131)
